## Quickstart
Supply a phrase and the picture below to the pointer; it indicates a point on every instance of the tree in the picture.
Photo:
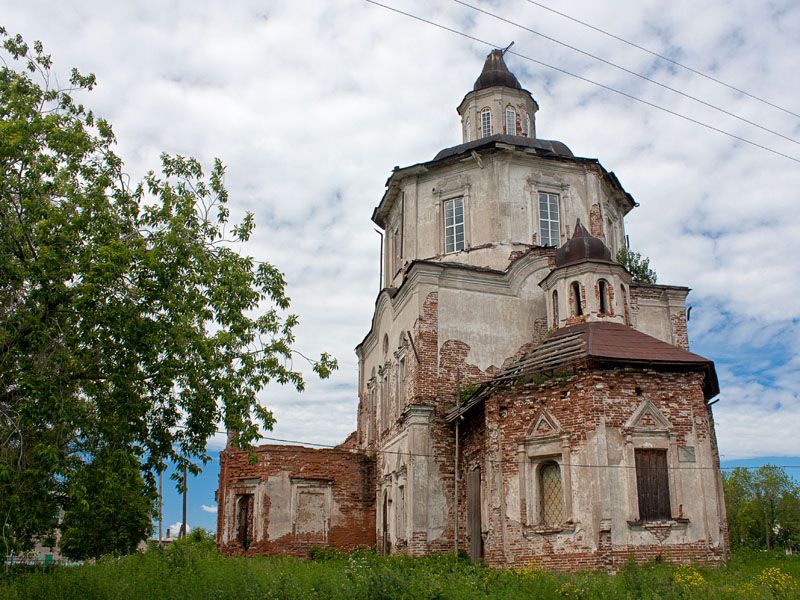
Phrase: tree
(638, 266)
(127, 318)
(763, 507)
(108, 509)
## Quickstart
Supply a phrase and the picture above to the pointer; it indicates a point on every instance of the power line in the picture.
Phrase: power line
(586, 79)
(662, 57)
(626, 70)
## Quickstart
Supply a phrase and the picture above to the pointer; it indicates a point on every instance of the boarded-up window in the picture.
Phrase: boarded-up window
(244, 520)
(652, 481)
(310, 518)
(552, 497)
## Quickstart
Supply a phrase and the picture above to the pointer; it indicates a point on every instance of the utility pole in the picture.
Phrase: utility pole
(160, 505)
(185, 490)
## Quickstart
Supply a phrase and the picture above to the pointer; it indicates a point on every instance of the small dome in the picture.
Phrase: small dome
(582, 246)
(496, 73)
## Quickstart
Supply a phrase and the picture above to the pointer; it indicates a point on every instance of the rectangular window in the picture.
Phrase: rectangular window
(511, 122)
(652, 482)
(454, 225)
(548, 219)
(486, 123)
(397, 249)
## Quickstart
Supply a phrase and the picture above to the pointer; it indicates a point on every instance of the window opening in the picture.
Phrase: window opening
(603, 289)
(577, 308)
(548, 219)
(652, 482)
(244, 520)
(551, 494)
(397, 248)
(555, 309)
(454, 225)
(486, 123)
(528, 125)
(511, 122)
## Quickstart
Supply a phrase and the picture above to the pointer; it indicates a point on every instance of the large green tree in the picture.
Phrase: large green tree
(128, 320)
(108, 509)
(763, 507)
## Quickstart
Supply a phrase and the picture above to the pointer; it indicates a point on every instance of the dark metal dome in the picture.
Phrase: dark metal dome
(495, 72)
(582, 246)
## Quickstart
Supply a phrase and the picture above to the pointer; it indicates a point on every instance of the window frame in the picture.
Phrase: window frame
(551, 199)
(486, 118)
(542, 504)
(454, 247)
(512, 114)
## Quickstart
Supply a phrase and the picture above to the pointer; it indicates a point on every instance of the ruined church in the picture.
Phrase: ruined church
(521, 397)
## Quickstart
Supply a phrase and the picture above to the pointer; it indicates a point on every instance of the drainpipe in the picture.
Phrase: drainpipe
(455, 468)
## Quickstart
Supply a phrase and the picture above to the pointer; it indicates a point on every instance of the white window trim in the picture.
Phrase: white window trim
(510, 112)
(488, 112)
(445, 226)
(557, 221)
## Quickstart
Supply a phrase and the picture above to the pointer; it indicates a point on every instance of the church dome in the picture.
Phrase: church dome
(582, 246)
(496, 73)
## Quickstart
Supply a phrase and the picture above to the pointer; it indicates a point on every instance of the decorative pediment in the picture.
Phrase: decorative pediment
(543, 425)
(647, 418)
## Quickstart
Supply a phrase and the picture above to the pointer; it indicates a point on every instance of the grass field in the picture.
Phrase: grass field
(193, 570)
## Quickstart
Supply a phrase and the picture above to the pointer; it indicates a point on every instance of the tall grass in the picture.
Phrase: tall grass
(192, 569)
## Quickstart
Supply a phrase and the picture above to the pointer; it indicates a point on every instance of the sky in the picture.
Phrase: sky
(311, 103)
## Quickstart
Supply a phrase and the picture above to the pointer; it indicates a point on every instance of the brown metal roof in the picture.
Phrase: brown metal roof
(598, 343)
(496, 73)
(580, 247)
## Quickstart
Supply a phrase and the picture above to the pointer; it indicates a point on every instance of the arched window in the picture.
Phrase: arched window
(528, 125)
(552, 498)
(602, 288)
(486, 122)
(511, 122)
(385, 344)
(575, 293)
(555, 309)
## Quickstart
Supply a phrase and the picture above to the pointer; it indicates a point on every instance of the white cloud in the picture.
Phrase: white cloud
(174, 530)
(209, 509)
(311, 104)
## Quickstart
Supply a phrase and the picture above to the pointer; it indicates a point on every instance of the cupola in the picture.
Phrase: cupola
(497, 104)
(586, 283)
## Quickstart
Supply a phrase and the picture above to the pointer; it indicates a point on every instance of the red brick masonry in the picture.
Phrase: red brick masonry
(270, 472)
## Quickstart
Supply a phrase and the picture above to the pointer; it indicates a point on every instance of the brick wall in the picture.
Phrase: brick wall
(270, 472)
(583, 401)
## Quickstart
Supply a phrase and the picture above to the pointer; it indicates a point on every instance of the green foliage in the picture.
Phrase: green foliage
(193, 569)
(637, 265)
(108, 509)
(763, 508)
(128, 319)
(557, 377)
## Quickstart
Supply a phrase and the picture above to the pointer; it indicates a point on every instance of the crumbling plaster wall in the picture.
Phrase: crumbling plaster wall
(501, 208)
(660, 311)
(593, 441)
(343, 480)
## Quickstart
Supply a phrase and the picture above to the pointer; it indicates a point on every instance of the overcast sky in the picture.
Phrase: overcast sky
(311, 103)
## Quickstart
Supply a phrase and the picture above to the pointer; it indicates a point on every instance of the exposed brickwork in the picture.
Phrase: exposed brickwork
(596, 222)
(351, 476)
(581, 402)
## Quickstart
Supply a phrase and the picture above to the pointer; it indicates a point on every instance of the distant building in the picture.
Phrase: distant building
(520, 395)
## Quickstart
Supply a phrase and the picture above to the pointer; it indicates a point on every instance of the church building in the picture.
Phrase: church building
(521, 396)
